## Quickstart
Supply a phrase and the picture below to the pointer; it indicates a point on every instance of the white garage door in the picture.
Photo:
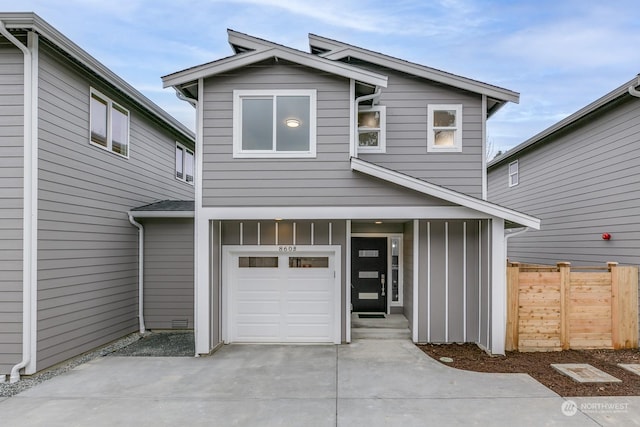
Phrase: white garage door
(288, 298)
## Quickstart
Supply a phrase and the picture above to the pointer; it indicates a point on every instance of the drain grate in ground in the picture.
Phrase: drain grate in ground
(631, 367)
(371, 316)
(584, 373)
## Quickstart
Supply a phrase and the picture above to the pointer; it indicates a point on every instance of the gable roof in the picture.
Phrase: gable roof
(336, 50)
(579, 115)
(31, 22)
(250, 50)
(443, 193)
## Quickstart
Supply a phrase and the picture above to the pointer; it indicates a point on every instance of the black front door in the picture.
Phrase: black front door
(369, 274)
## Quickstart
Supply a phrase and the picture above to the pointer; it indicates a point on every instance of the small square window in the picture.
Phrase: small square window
(444, 127)
(184, 163)
(279, 123)
(372, 123)
(109, 124)
(514, 175)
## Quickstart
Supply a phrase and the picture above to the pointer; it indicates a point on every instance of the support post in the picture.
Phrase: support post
(565, 295)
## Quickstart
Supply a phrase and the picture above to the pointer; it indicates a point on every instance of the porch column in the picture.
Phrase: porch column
(498, 287)
(202, 321)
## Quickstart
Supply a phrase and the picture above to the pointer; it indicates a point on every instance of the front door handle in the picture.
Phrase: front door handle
(382, 283)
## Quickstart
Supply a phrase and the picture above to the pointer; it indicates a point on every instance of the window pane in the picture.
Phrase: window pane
(309, 262)
(444, 138)
(292, 128)
(120, 131)
(179, 162)
(444, 118)
(257, 124)
(188, 166)
(368, 139)
(258, 262)
(513, 168)
(98, 120)
(369, 119)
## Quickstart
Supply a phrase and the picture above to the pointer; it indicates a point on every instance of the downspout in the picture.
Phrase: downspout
(633, 91)
(29, 280)
(510, 235)
(140, 271)
(375, 96)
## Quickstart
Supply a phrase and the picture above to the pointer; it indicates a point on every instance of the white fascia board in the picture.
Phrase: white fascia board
(248, 58)
(341, 212)
(161, 214)
(339, 51)
(31, 21)
(444, 193)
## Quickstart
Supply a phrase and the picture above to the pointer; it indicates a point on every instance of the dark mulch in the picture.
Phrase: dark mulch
(471, 358)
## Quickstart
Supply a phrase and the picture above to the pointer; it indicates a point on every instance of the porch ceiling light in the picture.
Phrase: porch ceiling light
(292, 123)
(378, 222)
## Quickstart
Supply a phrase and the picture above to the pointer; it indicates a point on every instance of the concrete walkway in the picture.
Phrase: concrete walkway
(367, 383)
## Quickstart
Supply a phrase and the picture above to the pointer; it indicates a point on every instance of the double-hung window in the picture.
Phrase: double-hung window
(278, 123)
(109, 124)
(184, 163)
(372, 123)
(444, 127)
(514, 175)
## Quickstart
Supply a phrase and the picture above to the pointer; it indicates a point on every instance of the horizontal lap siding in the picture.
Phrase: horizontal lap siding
(323, 181)
(87, 250)
(11, 203)
(406, 98)
(582, 184)
(168, 273)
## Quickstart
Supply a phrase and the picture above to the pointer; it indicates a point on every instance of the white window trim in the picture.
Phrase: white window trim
(237, 124)
(184, 159)
(516, 174)
(457, 147)
(110, 105)
(382, 131)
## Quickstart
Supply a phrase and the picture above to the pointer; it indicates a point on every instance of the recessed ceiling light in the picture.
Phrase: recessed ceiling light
(378, 222)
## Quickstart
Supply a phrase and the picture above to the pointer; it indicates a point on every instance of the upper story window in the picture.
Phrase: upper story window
(444, 127)
(372, 123)
(109, 124)
(514, 175)
(278, 123)
(184, 163)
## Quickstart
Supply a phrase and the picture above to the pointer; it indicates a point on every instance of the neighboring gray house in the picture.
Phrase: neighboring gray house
(340, 180)
(79, 148)
(581, 177)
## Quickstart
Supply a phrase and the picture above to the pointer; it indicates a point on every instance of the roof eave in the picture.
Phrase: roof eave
(31, 21)
(433, 190)
(161, 214)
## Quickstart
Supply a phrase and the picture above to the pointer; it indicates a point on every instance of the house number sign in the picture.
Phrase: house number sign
(286, 248)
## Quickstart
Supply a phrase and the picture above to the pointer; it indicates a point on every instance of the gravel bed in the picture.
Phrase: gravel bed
(149, 344)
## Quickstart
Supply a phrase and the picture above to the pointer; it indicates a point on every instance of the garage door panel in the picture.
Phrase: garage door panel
(291, 303)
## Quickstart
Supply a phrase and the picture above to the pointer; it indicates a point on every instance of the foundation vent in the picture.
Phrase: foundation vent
(179, 324)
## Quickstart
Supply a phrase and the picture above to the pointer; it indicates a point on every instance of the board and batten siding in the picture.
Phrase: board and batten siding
(452, 261)
(406, 99)
(11, 203)
(583, 183)
(326, 180)
(168, 273)
(87, 250)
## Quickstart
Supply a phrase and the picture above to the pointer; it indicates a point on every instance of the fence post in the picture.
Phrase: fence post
(565, 293)
(615, 305)
(513, 302)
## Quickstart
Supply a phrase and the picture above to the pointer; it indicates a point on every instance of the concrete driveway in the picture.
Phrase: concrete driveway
(366, 383)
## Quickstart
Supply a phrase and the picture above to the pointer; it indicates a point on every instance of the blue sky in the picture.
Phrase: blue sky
(559, 55)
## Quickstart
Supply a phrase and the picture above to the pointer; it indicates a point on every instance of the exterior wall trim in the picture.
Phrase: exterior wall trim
(416, 280)
(498, 306)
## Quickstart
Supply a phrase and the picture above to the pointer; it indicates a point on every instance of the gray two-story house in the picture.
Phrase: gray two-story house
(341, 180)
(79, 148)
(581, 176)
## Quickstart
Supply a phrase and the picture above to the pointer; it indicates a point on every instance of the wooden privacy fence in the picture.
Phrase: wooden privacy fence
(558, 308)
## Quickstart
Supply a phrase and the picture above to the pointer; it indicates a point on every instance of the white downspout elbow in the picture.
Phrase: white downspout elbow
(29, 217)
(140, 272)
(510, 235)
(375, 95)
(633, 91)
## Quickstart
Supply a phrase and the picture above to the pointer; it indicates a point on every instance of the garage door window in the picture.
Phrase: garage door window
(309, 262)
(258, 262)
